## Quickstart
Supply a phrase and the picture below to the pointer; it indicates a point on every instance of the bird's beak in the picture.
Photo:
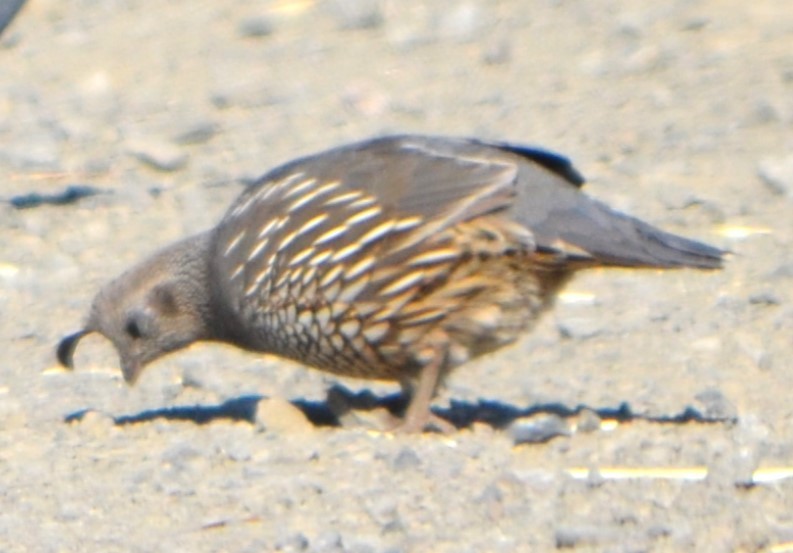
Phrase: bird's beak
(66, 348)
(131, 369)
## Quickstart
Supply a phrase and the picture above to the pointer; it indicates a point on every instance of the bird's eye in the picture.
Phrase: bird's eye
(133, 329)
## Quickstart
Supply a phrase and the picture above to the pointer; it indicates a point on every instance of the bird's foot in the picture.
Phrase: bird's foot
(430, 422)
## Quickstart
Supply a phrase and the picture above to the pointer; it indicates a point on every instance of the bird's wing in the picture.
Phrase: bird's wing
(568, 223)
(419, 176)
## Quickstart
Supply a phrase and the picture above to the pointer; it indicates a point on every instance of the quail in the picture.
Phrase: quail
(398, 258)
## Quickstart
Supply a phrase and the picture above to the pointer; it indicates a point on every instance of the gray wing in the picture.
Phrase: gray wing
(451, 180)
(425, 176)
(563, 219)
(549, 203)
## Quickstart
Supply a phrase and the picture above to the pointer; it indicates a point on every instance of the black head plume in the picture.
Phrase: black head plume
(67, 346)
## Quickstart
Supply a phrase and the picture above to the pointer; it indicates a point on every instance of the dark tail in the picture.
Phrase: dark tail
(617, 239)
(586, 232)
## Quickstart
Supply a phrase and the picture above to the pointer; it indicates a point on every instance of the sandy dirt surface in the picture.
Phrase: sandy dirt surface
(671, 391)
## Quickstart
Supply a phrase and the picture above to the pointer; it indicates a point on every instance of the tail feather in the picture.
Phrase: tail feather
(576, 230)
(617, 239)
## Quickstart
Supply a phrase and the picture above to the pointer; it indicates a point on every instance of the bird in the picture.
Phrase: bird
(396, 258)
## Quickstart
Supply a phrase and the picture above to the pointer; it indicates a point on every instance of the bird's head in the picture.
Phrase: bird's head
(157, 307)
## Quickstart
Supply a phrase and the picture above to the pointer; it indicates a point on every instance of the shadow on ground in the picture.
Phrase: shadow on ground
(460, 414)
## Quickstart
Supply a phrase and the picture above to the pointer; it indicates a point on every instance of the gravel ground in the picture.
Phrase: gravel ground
(649, 412)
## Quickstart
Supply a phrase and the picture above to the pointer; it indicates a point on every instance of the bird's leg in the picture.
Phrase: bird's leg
(418, 416)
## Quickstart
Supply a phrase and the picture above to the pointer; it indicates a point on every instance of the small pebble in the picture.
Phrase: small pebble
(659, 530)
(338, 401)
(696, 23)
(291, 542)
(158, 154)
(365, 99)
(359, 546)
(96, 423)
(580, 328)
(242, 94)
(777, 174)
(406, 459)
(716, 405)
(491, 494)
(676, 198)
(35, 150)
(764, 112)
(384, 512)
(327, 542)
(588, 421)
(752, 346)
(738, 465)
(181, 455)
(575, 536)
(645, 59)
(765, 298)
(358, 14)
(783, 270)
(497, 53)
(374, 419)
(538, 429)
(233, 443)
(256, 26)
(279, 415)
(197, 132)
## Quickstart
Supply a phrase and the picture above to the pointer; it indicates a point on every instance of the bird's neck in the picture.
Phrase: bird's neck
(189, 264)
